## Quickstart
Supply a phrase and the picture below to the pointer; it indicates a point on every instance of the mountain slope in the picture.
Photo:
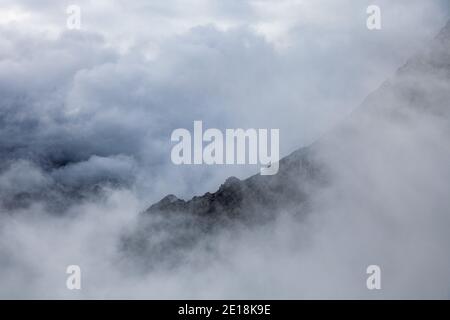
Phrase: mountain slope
(421, 85)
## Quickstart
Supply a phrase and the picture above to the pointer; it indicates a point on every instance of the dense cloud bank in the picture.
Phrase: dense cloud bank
(85, 121)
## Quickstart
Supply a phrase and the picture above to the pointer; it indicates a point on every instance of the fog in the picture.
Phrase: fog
(85, 123)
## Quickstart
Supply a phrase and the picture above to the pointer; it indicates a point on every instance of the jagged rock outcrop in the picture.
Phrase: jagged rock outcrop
(289, 187)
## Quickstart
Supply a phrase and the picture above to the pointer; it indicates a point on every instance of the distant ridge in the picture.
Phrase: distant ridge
(300, 170)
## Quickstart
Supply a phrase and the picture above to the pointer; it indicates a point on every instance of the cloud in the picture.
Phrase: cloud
(77, 94)
(82, 109)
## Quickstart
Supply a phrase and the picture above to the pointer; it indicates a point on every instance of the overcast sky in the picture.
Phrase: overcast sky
(109, 95)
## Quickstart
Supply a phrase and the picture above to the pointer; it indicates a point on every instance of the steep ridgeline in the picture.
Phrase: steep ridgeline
(255, 193)
(422, 85)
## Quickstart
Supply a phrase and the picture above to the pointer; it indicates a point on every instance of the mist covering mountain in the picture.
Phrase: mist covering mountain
(83, 141)
(410, 109)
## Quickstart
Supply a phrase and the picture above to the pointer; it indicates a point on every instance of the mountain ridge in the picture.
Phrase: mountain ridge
(300, 170)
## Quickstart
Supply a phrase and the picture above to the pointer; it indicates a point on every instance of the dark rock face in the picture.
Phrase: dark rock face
(289, 187)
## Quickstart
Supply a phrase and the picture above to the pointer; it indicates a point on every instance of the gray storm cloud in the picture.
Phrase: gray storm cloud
(85, 122)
